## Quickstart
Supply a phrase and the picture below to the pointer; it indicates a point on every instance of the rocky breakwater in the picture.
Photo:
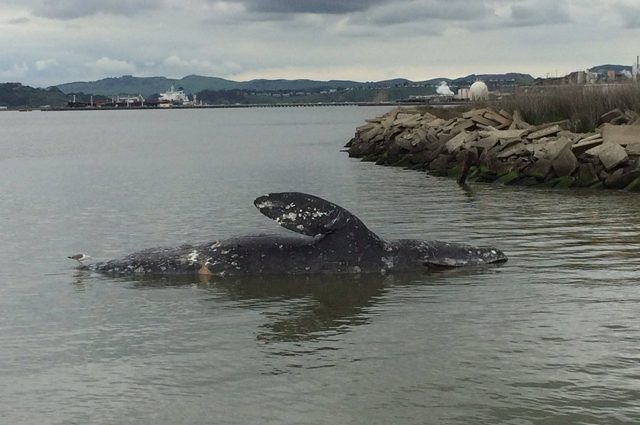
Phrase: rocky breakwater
(496, 146)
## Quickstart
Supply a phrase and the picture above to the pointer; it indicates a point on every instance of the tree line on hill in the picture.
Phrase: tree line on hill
(15, 95)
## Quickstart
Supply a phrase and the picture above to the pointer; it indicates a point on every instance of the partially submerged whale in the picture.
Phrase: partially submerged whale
(331, 240)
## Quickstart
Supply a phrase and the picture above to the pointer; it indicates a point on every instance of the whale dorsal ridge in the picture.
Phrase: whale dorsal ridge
(309, 215)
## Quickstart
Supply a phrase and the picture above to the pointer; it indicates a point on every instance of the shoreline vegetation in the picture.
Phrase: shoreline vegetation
(569, 137)
(583, 106)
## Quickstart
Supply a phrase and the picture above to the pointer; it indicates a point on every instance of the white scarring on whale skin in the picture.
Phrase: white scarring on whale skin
(192, 257)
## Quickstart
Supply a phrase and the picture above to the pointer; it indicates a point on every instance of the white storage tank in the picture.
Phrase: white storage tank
(478, 91)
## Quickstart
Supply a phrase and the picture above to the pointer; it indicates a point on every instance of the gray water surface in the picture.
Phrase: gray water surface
(550, 337)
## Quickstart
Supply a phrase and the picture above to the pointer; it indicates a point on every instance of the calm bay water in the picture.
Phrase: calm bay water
(551, 337)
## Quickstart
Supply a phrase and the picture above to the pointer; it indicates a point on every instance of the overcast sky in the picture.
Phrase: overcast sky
(47, 42)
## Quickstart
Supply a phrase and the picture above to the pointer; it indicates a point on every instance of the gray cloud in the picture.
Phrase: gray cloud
(311, 6)
(539, 13)
(71, 9)
(401, 12)
(438, 14)
(352, 39)
(397, 10)
(630, 16)
(18, 21)
(505, 14)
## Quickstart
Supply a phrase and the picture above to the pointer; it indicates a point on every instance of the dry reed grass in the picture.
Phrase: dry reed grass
(581, 105)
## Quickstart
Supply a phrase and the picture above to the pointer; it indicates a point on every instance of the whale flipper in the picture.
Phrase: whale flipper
(445, 254)
(310, 215)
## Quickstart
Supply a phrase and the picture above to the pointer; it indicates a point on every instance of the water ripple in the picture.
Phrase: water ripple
(549, 337)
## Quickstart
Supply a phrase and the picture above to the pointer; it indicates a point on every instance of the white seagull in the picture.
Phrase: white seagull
(79, 258)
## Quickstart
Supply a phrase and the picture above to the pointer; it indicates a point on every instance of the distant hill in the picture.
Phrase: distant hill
(276, 85)
(602, 69)
(511, 77)
(15, 95)
(128, 84)
(148, 86)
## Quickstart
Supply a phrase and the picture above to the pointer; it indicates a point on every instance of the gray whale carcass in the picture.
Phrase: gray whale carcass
(331, 240)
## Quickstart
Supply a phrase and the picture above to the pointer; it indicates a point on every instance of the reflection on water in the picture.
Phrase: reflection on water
(307, 307)
(551, 336)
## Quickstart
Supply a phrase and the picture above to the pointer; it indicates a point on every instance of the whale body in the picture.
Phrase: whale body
(329, 240)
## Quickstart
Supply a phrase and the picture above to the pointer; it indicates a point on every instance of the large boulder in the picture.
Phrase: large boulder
(563, 161)
(586, 143)
(621, 134)
(610, 154)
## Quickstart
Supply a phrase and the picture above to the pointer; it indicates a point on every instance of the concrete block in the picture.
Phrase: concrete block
(485, 143)
(610, 154)
(462, 125)
(440, 165)
(615, 180)
(494, 116)
(586, 175)
(421, 133)
(505, 114)
(405, 142)
(436, 123)
(611, 115)
(536, 150)
(427, 117)
(633, 118)
(544, 132)
(407, 120)
(565, 163)
(448, 125)
(503, 134)
(507, 143)
(515, 149)
(585, 144)
(553, 149)
(479, 119)
(621, 134)
(366, 127)
(474, 112)
(519, 123)
(633, 149)
(370, 133)
(458, 140)
(540, 169)
(387, 121)
(432, 135)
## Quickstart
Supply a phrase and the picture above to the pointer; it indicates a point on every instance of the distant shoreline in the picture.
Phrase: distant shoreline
(236, 106)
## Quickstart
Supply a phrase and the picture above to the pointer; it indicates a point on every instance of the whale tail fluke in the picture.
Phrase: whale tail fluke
(309, 215)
